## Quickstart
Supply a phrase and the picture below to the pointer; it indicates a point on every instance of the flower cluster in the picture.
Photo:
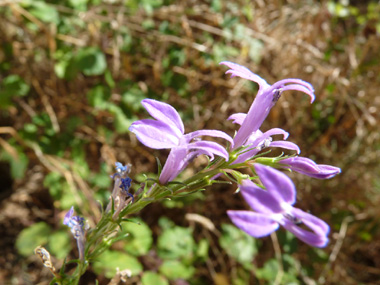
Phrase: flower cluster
(270, 193)
(274, 205)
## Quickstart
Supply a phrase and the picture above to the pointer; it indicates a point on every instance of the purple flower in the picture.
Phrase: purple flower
(273, 208)
(76, 224)
(266, 98)
(258, 140)
(308, 167)
(167, 132)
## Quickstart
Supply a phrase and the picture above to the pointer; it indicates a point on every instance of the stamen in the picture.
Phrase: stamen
(293, 219)
(125, 185)
(265, 143)
(276, 95)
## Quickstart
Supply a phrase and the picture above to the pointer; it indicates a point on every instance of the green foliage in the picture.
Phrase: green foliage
(150, 277)
(91, 61)
(42, 11)
(107, 263)
(139, 239)
(31, 237)
(59, 243)
(17, 164)
(176, 242)
(174, 269)
(12, 86)
(60, 190)
(238, 245)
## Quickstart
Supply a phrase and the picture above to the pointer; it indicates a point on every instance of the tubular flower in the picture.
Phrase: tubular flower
(76, 224)
(274, 207)
(258, 140)
(266, 98)
(167, 132)
(308, 167)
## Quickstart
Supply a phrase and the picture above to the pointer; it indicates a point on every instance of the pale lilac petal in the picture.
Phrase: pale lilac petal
(254, 224)
(300, 88)
(174, 164)
(317, 225)
(277, 131)
(303, 86)
(301, 163)
(237, 118)
(254, 139)
(209, 148)
(277, 183)
(327, 171)
(243, 72)
(154, 134)
(306, 236)
(165, 113)
(211, 133)
(259, 137)
(308, 167)
(286, 145)
(68, 216)
(256, 115)
(258, 199)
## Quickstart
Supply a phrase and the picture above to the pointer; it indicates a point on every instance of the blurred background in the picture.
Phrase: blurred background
(73, 74)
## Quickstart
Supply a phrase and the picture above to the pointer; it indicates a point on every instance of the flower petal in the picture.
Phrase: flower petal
(327, 171)
(258, 199)
(69, 214)
(154, 134)
(211, 133)
(317, 225)
(243, 72)
(254, 224)
(209, 148)
(174, 164)
(295, 84)
(165, 113)
(312, 238)
(237, 118)
(286, 145)
(308, 167)
(276, 131)
(277, 183)
(256, 115)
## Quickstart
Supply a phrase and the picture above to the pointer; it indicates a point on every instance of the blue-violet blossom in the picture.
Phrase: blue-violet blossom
(266, 98)
(167, 132)
(274, 207)
(76, 224)
(120, 191)
(308, 167)
(258, 140)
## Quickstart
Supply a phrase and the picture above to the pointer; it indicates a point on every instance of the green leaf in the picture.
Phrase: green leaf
(98, 97)
(176, 242)
(269, 271)
(91, 61)
(238, 244)
(121, 122)
(12, 86)
(59, 244)
(108, 261)
(203, 247)
(139, 240)
(174, 269)
(44, 12)
(18, 165)
(150, 278)
(31, 237)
